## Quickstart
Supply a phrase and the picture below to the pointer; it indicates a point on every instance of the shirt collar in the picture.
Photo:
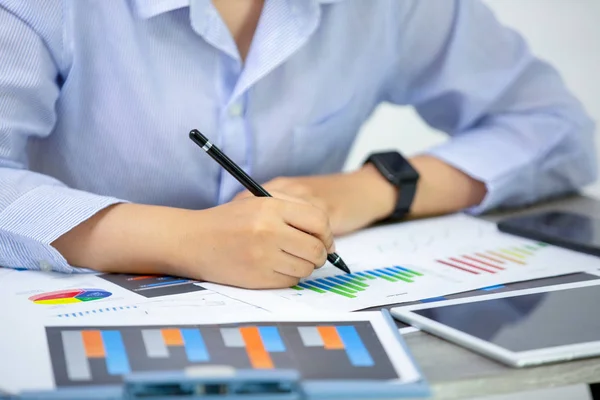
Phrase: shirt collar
(146, 9)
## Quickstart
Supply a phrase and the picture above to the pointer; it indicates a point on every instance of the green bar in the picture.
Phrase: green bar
(413, 272)
(357, 288)
(316, 289)
(369, 275)
(404, 279)
(342, 293)
(403, 275)
(360, 278)
(542, 244)
(531, 247)
(389, 278)
(360, 284)
(345, 289)
(297, 288)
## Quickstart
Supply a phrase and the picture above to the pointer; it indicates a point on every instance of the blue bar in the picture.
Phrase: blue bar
(403, 274)
(195, 348)
(489, 288)
(165, 283)
(116, 356)
(339, 282)
(303, 285)
(357, 352)
(405, 270)
(320, 286)
(432, 299)
(325, 283)
(346, 278)
(383, 272)
(271, 339)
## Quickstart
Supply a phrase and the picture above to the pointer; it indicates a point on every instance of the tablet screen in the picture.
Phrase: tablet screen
(527, 322)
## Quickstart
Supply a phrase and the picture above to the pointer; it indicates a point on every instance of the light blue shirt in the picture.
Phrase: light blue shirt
(97, 99)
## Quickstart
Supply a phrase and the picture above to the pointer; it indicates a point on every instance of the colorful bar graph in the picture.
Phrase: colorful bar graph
(97, 356)
(357, 352)
(351, 285)
(258, 355)
(116, 357)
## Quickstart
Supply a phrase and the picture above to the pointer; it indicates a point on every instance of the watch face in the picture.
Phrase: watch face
(400, 168)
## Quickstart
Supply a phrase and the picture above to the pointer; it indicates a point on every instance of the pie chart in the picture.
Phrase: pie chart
(70, 296)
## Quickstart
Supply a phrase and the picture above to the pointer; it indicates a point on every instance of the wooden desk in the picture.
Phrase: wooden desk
(456, 373)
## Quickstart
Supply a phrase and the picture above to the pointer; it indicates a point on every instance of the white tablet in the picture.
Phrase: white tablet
(524, 328)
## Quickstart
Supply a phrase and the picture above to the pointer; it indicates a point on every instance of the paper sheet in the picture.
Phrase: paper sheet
(46, 354)
(85, 296)
(419, 260)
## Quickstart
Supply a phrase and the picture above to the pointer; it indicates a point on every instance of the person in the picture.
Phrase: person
(97, 100)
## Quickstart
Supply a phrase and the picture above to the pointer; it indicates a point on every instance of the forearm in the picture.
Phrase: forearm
(124, 238)
(441, 189)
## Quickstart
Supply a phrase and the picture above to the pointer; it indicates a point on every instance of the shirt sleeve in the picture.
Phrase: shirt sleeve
(35, 209)
(512, 122)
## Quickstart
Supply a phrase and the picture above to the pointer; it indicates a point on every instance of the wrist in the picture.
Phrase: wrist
(381, 196)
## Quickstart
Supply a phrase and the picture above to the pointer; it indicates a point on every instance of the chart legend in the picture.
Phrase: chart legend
(351, 285)
(70, 296)
(318, 350)
(153, 286)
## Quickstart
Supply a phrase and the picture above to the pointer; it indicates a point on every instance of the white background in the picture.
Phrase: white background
(564, 32)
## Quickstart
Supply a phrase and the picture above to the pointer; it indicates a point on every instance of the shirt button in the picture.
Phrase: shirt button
(235, 110)
(45, 266)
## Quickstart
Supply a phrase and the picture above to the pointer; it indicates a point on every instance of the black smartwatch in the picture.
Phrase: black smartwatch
(398, 171)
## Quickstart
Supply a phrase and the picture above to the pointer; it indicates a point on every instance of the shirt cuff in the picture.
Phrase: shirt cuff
(32, 222)
(502, 164)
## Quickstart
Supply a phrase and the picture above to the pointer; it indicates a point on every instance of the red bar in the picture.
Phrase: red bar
(472, 265)
(457, 266)
(482, 262)
(489, 258)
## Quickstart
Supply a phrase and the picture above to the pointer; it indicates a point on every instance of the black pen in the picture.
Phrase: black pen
(248, 182)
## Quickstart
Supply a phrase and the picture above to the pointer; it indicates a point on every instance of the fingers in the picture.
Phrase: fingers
(310, 219)
(310, 250)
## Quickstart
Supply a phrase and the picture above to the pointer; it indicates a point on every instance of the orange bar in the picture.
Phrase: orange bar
(258, 355)
(507, 258)
(172, 337)
(331, 339)
(94, 346)
(141, 277)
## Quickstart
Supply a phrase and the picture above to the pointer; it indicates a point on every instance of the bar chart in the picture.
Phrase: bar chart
(320, 351)
(351, 285)
(153, 286)
(493, 261)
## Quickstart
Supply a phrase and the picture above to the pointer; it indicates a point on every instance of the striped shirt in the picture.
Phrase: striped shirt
(97, 98)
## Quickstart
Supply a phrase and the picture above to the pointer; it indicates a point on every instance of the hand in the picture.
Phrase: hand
(257, 242)
(351, 200)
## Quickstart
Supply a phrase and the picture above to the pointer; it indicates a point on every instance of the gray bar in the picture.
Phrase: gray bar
(78, 367)
(232, 337)
(155, 344)
(310, 336)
